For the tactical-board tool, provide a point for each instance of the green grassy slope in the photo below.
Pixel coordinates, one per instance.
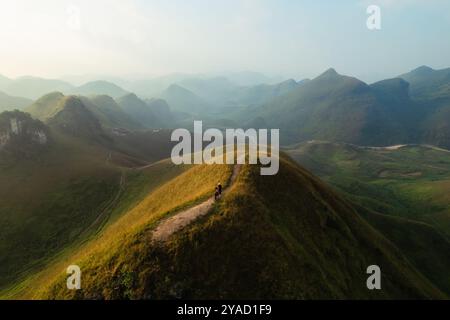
(75, 119)
(186, 188)
(46, 107)
(427, 249)
(104, 108)
(409, 186)
(59, 191)
(48, 200)
(286, 236)
(128, 187)
(100, 119)
(411, 182)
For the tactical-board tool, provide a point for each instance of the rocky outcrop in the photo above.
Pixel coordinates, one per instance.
(19, 132)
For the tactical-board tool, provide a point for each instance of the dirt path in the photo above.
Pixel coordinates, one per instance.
(177, 222)
(102, 217)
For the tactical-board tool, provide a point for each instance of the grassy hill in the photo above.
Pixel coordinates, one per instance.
(427, 249)
(60, 182)
(101, 120)
(139, 111)
(260, 241)
(409, 186)
(82, 184)
(411, 181)
(46, 106)
(75, 119)
(49, 199)
(105, 109)
(109, 113)
(330, 107)
(142, 204)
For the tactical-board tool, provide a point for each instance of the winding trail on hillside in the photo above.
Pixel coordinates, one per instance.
(106, 211)
(180, 220)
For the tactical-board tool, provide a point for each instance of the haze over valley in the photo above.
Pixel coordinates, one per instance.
(89, 186)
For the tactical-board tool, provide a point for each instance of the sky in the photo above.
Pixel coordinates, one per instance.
(292, 38)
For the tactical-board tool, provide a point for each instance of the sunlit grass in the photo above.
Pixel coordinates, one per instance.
(192, 186)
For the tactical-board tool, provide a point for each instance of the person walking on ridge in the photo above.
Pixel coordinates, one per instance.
(216, 194)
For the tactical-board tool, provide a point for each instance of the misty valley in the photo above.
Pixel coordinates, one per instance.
(225, 159)
(89, 179)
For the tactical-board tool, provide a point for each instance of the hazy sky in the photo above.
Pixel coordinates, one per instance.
(296, 38)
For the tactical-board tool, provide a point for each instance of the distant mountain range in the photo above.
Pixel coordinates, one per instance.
(99, 88)
(340, 108)
(128, 112)
(427, 83)
(33, 88)
(411, 108)
(184, 100)
(8, 102)
(85, 177)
